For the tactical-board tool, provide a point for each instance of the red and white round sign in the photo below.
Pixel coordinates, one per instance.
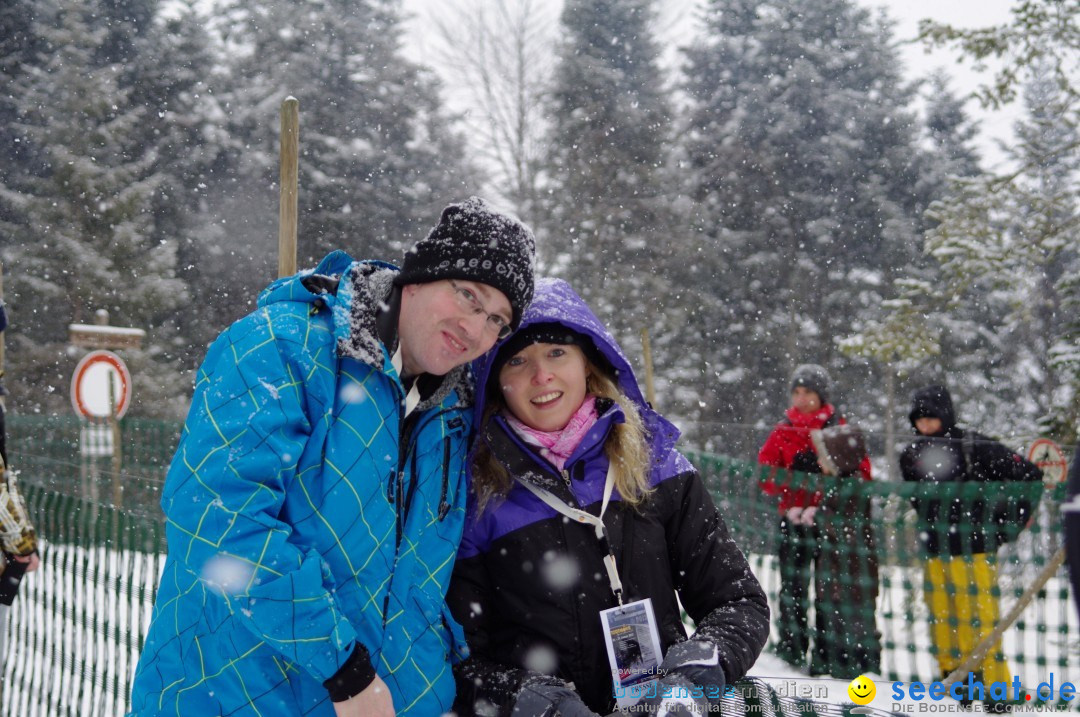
(90, 395)
(1048, 456)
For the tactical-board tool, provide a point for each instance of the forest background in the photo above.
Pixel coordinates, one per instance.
(779, 193)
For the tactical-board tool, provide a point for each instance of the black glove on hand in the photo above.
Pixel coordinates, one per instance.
(698, 662)
(539, 700)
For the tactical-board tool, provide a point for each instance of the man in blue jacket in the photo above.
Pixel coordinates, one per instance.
(316, 500)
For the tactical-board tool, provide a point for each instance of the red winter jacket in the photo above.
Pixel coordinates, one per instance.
(789, 438)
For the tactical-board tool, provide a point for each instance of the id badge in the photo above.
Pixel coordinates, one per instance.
(633, 648)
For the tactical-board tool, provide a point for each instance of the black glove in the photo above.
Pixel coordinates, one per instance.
(539, 700)
(698, 662)
(805, 462)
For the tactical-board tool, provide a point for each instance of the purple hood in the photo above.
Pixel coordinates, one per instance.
(555, 302)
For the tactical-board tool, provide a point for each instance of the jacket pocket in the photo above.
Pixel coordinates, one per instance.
(439, 634)
(459, 650)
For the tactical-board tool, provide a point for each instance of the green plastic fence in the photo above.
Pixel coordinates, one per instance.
(873, 537)
(78, 624)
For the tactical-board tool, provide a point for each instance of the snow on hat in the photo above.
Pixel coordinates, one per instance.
(813, 377)
(474, 242)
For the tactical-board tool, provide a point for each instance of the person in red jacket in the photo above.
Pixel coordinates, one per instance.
(845, 638)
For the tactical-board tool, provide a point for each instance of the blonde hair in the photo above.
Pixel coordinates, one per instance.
(627, 446)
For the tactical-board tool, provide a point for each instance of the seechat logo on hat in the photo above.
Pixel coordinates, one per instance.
(862, 690)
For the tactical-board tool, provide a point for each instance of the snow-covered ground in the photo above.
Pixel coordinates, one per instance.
(77, 622)
(1048, 643)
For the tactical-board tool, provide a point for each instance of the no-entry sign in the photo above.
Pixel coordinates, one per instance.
(1048, 456)
(95, 373)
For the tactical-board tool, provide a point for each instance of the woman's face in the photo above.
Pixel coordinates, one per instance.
(544, 384)
(805, 400)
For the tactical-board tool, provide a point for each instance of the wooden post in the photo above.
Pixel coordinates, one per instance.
(290, 162)
(117, 454)
(650, 394)
(890, 419)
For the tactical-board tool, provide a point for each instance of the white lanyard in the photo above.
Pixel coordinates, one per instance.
(581, 516)
(412, 398)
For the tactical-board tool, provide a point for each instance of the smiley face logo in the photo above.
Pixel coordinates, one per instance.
(862, 690)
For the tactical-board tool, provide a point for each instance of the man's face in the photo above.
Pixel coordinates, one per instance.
(928, 425)
(439, 332)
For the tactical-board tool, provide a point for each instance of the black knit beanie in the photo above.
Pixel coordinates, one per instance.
(547, 333)
(474, 242)
(813, 377)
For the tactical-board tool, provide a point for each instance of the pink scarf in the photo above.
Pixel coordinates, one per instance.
(556, 446)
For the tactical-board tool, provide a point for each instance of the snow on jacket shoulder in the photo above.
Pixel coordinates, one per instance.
(293, 537)
(529, 586)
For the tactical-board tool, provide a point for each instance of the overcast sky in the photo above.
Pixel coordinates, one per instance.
(676, 24)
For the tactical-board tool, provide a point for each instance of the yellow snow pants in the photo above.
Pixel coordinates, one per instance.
(962, 595)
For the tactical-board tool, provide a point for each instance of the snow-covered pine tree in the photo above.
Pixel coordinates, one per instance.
(378, 160)
(87, 241)
(1040, 33)
(1039, 41)
(905, 339)
(606, 227)
(1006, 244)
(800, 153)
(176, 77)
(18, 45)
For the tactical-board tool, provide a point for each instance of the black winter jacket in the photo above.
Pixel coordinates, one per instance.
(963, 524)
(528, 585)
(1071, 517)
(959, 522)
(515, 619)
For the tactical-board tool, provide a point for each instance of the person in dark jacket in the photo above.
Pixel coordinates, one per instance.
(561, 417)
(1071, 517)
(830, 533)
(961, 532)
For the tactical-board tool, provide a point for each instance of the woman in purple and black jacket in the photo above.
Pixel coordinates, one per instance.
(561, 417)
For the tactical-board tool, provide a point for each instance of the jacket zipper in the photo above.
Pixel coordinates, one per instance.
(444, 507)
(406, 446)
(392, 490)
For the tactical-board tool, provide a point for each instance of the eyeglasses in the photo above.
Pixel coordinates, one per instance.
(469, 302)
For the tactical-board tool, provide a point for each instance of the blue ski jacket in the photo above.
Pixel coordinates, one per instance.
(305, 515)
